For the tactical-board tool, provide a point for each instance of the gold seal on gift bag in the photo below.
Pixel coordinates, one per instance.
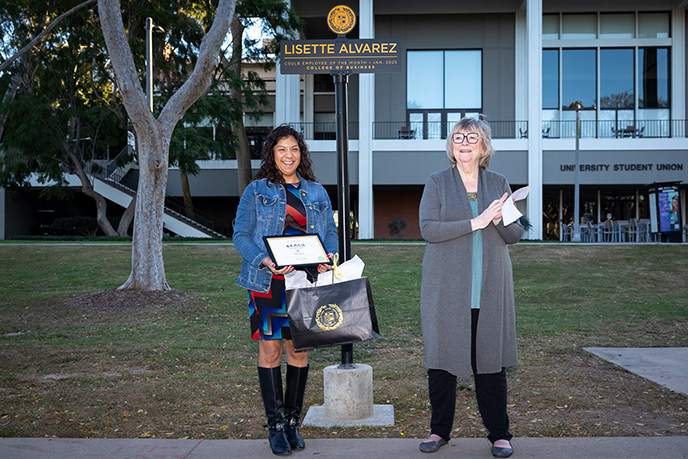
(329, 317)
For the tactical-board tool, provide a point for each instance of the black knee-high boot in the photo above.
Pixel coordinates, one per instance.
(293, 402)
(271, 390)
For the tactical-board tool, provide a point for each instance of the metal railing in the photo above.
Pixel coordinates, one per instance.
(404, 130)
(615, 129)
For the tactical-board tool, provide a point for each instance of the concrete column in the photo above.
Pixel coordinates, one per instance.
(308, 98)
(366, 117)
(534, 40)
(521, 57)
(287, 95)
(678, 64)
(287, 98)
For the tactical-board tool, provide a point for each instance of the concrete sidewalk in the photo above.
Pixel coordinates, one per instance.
(667, 366)
(403, 448)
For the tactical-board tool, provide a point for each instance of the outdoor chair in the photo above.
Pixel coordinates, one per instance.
(621, 230)
(405, 133)
(607, 231)
(587, 232)
(633, 230)
(566, 232)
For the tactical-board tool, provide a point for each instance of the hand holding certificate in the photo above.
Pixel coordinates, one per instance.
(297, 251)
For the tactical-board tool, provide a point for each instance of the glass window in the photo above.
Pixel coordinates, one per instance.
(463, 79)
(579, 26)
(653, 78)
(452, 119)
(550, 78)
(416, 124)
(617, 25)
(550, 124)
(444, 79)
(579, 71)
(424, 79)
(653, 25)
(616, 78)
(613, 123)
(434, 125)
(550, 27)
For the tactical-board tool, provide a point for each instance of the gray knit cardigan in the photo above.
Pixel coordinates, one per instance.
(445, 299)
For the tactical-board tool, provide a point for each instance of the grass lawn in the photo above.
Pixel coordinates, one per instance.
(78, 363)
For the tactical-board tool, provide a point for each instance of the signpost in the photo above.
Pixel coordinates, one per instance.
(340, 58)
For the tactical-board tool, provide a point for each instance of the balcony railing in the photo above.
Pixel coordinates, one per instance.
(433, 130)
(611, 129)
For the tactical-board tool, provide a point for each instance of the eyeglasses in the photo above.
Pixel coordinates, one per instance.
(471, 138)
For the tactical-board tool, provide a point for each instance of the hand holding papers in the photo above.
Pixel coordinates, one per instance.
(509, 211)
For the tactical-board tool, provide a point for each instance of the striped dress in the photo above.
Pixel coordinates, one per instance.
(268, 311)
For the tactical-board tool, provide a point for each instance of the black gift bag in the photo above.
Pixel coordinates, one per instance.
(331, 315)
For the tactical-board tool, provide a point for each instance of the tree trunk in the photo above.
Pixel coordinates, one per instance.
(245, 174)
(186, 191)
(127, 216)
(148, 269)
(243, 154)
(101, 203)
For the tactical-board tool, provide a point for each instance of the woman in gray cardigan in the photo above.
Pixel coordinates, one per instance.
(467, 276)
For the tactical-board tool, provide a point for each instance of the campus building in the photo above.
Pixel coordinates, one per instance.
(525, 65)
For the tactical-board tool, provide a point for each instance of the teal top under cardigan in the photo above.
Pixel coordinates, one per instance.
(477, 277)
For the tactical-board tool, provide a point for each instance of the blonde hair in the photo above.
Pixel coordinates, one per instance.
(480, 126)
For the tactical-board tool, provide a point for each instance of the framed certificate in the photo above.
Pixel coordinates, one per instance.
(297, 251)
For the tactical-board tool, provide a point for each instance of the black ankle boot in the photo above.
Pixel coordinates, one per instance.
(271, 390)
(293, 402)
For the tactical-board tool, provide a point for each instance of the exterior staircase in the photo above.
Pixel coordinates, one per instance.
(112, 182)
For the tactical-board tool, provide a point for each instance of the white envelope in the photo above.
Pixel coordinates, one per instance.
(509, 211)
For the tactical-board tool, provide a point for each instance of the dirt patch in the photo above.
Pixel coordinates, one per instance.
(126, 300)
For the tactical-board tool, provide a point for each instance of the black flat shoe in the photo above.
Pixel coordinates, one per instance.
(502, 452)
(432, 446)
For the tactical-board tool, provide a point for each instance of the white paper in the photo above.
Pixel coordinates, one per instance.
(509, 211)
(352, 269)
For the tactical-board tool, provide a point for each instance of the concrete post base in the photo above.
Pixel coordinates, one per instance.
(349, 400)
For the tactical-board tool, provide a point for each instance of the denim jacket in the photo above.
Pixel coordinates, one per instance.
(261, 212)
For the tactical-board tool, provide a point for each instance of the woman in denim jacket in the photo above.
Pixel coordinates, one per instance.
(283, 198)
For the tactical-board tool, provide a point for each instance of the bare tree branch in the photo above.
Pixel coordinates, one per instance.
(41, 35)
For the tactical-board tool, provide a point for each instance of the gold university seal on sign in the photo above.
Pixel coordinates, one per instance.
(341, 19)
(329, 317)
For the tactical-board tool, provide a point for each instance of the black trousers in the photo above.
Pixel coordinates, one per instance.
(490, 391)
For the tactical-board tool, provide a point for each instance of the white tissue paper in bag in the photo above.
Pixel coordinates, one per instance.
(352, 269)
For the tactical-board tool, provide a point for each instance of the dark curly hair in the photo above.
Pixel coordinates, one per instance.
(268, 168)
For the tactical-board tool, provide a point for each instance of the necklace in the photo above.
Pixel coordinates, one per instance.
(472, 196)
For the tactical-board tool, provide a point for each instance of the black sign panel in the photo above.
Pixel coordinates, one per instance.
(339, 56)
